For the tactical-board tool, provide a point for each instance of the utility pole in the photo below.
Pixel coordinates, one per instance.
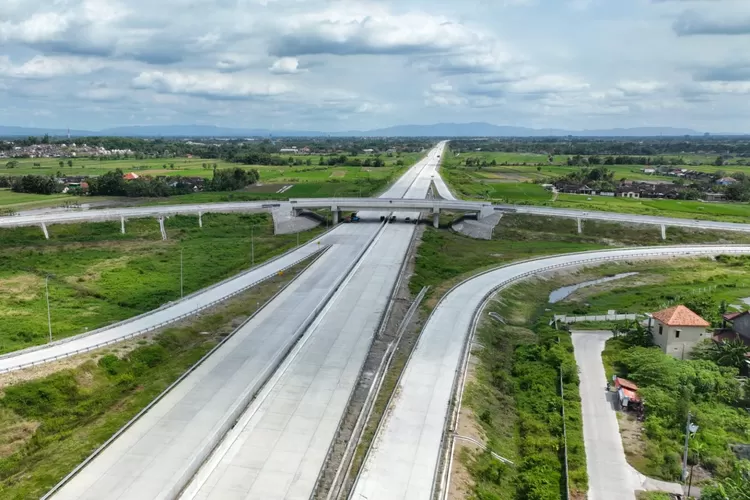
(182, 289)
(690, 428)
(252, 246)
(298, 240)
(49, 314)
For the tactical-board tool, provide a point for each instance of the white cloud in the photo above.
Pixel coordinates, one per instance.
(285, 66)
(45, 67)
(640, 87)
(209, 85)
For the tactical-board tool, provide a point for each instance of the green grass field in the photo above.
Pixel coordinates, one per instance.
(193, 167)
(100, 276)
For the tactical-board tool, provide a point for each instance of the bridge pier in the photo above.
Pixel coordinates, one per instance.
(663, 232)
(436, 220)
(200, 219)
(580, 226)
(44, 230)
(335, 216)
(122, 225)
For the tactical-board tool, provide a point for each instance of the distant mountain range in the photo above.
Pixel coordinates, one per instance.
(478, 129)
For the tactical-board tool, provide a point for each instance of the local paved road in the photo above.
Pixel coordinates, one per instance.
(610, 475)
(404, 458)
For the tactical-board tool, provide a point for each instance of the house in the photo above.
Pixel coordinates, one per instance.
(648, 170)
(292, 150)
(740, 322)
(710, 196)
(368, 151)
(726, 181)
(627, 192)
(677, 330)
(130, 176)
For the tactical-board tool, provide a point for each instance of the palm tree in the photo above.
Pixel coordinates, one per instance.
(729, 353)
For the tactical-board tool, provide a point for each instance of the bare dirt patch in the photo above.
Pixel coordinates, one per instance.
(14, 435)
(95, 271)
(23, 287)
(338, 173)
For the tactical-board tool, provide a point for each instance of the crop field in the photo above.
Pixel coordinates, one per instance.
(186, 167)
(99, 276)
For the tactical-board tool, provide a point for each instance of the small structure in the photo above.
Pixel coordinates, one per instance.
(740, 322)
(627, 394)
(677, 330)
(711, 196)
(130, 176)
(726, 181)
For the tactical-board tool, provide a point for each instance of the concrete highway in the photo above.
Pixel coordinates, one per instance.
(159, 454)
(279, 446)
(404, 458)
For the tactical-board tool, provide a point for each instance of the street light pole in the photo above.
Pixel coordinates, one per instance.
(49, 314)
(252, 246)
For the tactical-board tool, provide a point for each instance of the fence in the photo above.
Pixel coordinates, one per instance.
(600, 317)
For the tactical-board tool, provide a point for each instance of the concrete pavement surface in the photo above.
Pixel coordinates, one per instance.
(157, 455)
(404, 457)
(610, 475)
(280, 445)
(279, 450)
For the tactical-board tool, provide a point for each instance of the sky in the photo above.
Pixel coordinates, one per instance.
(337, 65)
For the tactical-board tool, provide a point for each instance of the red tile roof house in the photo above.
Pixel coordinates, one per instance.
(130, 176)
(678, 330)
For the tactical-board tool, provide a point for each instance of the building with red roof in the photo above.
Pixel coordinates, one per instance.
(677, 330)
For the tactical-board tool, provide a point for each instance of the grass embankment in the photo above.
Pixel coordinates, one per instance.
(99, 276)
(444, 257)
(515, 398)
(660, 285)
(48, 426)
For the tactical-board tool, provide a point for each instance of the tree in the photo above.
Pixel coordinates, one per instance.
(11, 164)
(61, 163)
(70, 163)
(719, 161)
(734, 487)
(728, 353)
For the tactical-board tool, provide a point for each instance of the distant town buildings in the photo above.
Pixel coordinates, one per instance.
(61, 151)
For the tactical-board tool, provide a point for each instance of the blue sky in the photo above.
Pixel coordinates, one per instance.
(350, 64)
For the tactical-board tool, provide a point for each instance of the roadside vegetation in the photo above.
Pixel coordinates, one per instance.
(514, 396)
(98, 276)
(51, 424)
(445, 257)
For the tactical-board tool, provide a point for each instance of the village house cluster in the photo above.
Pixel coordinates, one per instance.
(61, 151)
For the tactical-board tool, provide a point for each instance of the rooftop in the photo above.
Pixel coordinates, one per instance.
(680, 316)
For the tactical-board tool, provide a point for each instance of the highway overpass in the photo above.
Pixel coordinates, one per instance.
(384, 205)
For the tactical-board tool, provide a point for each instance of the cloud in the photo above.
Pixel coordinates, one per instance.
(357, 29)
(209, 85)
(691, 23)
(640, 87)
(45, 67)
(728, 73)
(285, 66)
